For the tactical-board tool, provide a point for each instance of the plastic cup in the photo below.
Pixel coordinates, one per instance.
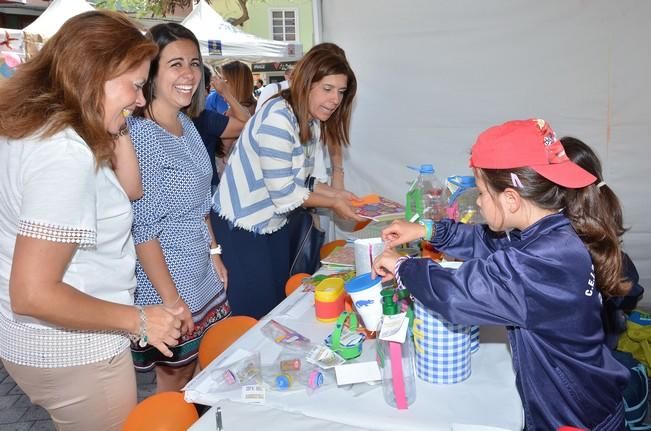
(367, 299)
(366, 250)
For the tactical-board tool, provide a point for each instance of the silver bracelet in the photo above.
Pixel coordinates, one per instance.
(141, 337)
(216, 250)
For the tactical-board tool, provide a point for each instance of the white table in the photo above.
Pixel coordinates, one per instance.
(488, 398)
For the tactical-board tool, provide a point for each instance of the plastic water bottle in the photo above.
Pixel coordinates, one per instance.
(462, 207)
(396, 361)
(426, 197)
(462, 203)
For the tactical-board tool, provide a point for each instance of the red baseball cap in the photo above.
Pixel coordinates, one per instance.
(528, 143)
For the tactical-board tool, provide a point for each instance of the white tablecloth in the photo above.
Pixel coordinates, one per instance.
(488, 398)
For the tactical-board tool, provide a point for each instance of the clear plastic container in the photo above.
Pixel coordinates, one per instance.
(467, 209)
(396, 361)
(462, 201)
(426, 196)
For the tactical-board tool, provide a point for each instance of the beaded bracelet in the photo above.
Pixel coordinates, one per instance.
(141, 338)
(124, 130)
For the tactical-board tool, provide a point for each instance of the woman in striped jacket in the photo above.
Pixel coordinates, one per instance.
(268, 176)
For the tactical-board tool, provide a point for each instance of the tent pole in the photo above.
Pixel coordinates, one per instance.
(317, 21)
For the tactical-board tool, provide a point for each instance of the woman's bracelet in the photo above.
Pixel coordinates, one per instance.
(141, 337)
(178, 298)
(124, 130)
(338, 169)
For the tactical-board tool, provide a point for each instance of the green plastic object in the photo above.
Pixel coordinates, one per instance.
(389, 306)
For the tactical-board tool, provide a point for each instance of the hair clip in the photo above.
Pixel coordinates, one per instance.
(516, 181)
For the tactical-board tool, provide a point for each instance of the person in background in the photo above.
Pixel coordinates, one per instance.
(611, 217)
(213, 127)
(269, 175)
(67, 258)
(258, 87)
(240, 81)
(273, 88)
(543, 279)
(178, 257)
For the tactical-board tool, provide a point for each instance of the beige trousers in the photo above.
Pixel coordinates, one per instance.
(95, 397)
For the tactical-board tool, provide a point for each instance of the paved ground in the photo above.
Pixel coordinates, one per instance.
(18, 414)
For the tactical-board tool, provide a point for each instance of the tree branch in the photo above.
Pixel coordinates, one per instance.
(243, 18)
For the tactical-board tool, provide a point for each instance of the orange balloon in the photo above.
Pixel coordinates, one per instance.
(165, 411)
(221, 335)
(295, 282)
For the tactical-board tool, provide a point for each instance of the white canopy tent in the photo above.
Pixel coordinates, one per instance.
(58, 12)
(432, 74)
(219, 39)
(19, 44)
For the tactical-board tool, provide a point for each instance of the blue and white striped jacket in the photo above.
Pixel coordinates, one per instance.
(265, 176)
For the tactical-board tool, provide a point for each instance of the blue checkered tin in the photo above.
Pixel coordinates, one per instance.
(474, 339)
(442, 348)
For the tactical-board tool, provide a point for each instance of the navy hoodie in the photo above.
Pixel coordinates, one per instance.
(540, 284)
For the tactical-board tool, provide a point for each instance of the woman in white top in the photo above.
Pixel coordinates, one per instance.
(67, 257)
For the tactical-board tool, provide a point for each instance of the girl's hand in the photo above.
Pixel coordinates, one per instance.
(385, 263)
(221, 270)
(163, 327)
(401, 232)
(343, 209)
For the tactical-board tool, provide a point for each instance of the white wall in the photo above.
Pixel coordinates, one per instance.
(432, 74)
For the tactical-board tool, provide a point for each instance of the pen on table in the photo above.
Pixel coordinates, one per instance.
(218, 417)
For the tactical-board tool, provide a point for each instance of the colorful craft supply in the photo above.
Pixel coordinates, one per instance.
(329, 299)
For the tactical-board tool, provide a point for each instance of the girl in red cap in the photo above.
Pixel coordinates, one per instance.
(529, 269)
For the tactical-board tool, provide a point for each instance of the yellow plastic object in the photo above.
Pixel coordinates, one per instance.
(329, 299)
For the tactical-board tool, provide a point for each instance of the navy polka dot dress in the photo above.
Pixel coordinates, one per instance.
(176, 174)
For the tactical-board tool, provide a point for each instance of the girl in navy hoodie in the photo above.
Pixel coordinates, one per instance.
(540, 267)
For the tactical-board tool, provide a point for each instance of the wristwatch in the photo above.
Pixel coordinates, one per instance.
(429, 228)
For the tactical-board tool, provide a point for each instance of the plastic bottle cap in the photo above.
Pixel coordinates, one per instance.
(389, 306)
(315, 380)
(283, 381)
(361, 282)
(426, 169)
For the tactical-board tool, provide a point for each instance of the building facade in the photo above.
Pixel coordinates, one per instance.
(285, 20)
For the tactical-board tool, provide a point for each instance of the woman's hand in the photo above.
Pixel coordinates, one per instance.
(163, 327)
(345, 195)
(385, 263)
(401, 232)
(187, 325)
(220, 85)
(220, 268)
(343, 209)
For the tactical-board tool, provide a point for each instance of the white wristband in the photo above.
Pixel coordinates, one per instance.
(216, 250)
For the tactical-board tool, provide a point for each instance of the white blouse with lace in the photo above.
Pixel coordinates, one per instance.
(51, 190)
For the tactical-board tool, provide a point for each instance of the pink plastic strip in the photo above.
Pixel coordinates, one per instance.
(397, 376)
